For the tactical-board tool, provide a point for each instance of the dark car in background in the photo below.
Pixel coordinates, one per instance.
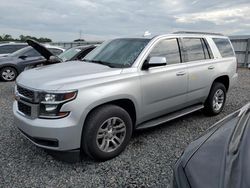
(8, 48)
(25, 58)
(76, 53)
(220, 158)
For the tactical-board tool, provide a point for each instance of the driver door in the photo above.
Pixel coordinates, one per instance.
(164, 88)
(32, 59)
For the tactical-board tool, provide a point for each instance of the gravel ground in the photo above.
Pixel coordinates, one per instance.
(147, 161)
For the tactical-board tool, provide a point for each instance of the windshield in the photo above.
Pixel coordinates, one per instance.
(118, 52)
(68, 54)
(20, 52)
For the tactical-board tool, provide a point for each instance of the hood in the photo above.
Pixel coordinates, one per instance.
(40, 48)
(54, 77)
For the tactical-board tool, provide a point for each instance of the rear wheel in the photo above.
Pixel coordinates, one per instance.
(216, 99)
(8, 74)
(107, 132)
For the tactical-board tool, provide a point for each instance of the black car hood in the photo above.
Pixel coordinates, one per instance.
(40, 48)
(220, 158)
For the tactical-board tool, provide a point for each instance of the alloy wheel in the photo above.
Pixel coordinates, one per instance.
(111, 134)
(8, 74)
(218, 99)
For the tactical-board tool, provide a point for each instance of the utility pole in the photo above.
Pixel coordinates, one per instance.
(80, 34)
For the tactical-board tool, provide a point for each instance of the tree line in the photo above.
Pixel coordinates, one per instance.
(22, 38)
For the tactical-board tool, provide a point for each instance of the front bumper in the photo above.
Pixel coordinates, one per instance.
(56, 134)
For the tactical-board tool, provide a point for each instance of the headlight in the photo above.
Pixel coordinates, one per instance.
(51, 103)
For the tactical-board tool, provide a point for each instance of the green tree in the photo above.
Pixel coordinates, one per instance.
(7, 37)
(23, 38)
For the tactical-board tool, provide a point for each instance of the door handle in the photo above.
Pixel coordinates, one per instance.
(182, 73)
(211, 67)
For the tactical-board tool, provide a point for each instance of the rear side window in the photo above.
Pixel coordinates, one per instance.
(168, 48)
(6, 49)
(224, 47)
(196, 49)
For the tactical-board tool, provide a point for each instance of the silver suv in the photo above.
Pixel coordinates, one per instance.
(123, 85)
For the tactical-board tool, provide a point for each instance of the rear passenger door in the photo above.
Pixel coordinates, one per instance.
(164, 88)
(200, 66)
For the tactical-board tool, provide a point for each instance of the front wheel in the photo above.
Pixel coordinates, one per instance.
(107, 132)
(8, 74)
(216, 99)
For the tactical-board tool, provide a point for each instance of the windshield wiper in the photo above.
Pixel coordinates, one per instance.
(100, 62)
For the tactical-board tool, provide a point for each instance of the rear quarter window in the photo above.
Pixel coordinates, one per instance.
(224, 47)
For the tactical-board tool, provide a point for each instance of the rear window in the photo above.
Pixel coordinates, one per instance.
(224, 47)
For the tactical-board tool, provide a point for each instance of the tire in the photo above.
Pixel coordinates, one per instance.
(216, 99)
(8, 74)
(111, 141)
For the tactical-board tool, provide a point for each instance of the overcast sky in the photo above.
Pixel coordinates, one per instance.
(61, 20)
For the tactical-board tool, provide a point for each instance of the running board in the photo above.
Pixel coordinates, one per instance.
(169, 117)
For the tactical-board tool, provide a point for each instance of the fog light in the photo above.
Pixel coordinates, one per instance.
(50, 107)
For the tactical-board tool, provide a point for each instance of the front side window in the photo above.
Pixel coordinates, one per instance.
(195, 49)
(32, 53)
(169, 49)
(118, 52)
(224, 47)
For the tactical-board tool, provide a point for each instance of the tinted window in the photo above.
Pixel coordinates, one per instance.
(85, 52)
(6, 49)
(32, 53)
(55, 51)
(224, 47)
(194, 48)
(167, 48)
(117, 52)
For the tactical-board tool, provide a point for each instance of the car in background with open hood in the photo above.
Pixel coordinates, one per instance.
(31, 56)
(76, 53)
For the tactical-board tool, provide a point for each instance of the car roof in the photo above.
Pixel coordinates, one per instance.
(85, 46)
(181, 34)
(56, 47)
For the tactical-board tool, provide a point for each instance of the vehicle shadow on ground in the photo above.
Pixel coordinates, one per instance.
(136, 140)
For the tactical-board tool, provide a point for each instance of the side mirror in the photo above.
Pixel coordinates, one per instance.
(23, 57)
(155, 62)
(54, 59)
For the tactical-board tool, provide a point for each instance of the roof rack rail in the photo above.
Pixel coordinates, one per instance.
(197, 32)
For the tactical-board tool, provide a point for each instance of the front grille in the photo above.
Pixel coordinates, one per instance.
(24, 108)
(26, 92)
